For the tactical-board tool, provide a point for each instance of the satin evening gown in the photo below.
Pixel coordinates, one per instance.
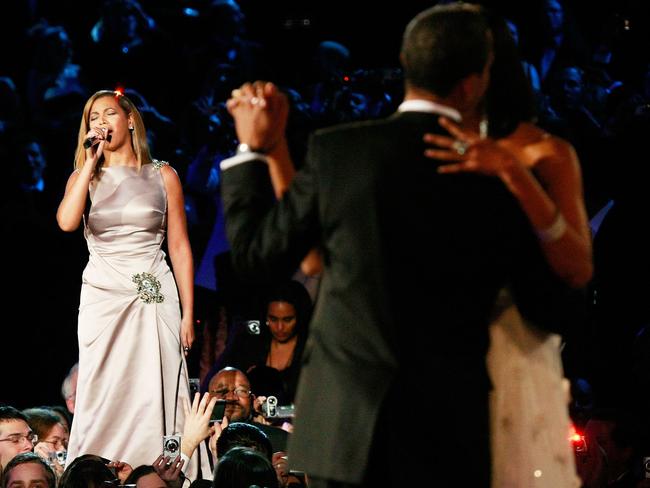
(133, 377)
(530, 424)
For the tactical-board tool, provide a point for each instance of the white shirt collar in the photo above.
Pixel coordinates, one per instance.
(429, 107)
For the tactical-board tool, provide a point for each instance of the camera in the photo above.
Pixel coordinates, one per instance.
(271, 409)
(646, 467)
(195, 385)
(218, 411)
(171, 446)
(253, 327)
(61, 457)
(57, 457)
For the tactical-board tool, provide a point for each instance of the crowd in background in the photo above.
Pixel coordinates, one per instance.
(179, 61)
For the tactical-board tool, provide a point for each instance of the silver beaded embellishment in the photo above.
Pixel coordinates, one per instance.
(158, 163)
(148, 288)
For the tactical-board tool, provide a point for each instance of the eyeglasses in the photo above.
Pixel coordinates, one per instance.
(240, 391)
(17, 438)
(56, 442)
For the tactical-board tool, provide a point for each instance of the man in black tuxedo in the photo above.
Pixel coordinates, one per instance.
(413, 262)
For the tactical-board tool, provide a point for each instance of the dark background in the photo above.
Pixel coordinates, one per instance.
(42, 266)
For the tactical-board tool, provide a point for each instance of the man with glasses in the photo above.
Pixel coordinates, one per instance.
(15, 435)
(232, 385)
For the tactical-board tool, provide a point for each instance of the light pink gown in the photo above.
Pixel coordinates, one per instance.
(530, 424)
(132, 374)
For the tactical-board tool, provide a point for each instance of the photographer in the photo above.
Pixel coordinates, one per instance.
(225, 435)
(52, 435)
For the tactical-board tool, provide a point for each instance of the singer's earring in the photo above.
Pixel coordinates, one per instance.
(131, 128)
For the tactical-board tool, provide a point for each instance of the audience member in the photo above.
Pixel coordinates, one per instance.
(241, 467)
(145, 476)
(52, 437)
(28, 470)
(16, 436)
(271, 354)
(69, 387)
(232, 385)
(89, 471)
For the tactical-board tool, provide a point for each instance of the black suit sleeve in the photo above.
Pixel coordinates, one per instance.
(269, 238)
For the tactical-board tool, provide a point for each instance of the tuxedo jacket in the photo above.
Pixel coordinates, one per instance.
(413, 263)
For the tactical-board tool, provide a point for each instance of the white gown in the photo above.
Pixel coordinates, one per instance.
(530, 424)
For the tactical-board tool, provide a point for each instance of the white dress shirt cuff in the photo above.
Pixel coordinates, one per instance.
(246, 157)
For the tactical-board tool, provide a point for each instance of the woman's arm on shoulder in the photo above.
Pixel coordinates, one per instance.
(180, 251)
(557, 167)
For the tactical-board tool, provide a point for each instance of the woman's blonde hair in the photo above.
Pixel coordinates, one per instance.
(138, 135)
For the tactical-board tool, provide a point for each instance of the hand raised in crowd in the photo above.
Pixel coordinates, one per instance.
(468, 152)
(260, 111)
(122, 470)
(258, 415)
(47, 452)
(197, 423)
(169, 471)
(281, 465)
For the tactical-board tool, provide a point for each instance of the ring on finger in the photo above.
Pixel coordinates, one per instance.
(460, 147)
(255, 100)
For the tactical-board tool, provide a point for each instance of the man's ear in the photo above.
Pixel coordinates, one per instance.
(402, 59)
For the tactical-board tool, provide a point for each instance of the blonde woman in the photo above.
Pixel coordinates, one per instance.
(133, 332)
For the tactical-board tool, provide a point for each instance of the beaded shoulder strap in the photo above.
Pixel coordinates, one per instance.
(158, 163)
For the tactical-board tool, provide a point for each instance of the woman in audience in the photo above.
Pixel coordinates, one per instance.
(271, 354)
(52, 437)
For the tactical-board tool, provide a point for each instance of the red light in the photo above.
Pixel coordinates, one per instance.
(119, 91)
(574, 435)
(346, 78)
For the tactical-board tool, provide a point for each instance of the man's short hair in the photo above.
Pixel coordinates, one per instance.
(444, 44)
(28, 457)
(8, 412)
(240, 434)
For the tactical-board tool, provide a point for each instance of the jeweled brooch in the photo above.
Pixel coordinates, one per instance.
(148, 288)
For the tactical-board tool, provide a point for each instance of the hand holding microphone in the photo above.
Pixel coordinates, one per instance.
(95, 137)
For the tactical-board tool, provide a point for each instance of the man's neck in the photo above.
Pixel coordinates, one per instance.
(414, 93)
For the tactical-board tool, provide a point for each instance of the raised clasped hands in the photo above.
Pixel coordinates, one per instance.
(260, 111)
(466, 151)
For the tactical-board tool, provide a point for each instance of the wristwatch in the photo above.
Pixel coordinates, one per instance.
(245, 148)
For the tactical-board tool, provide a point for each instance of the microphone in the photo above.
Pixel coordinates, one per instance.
(90, 141)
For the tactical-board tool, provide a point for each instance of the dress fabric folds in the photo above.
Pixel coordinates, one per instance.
(133, 377)
(529, 417)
